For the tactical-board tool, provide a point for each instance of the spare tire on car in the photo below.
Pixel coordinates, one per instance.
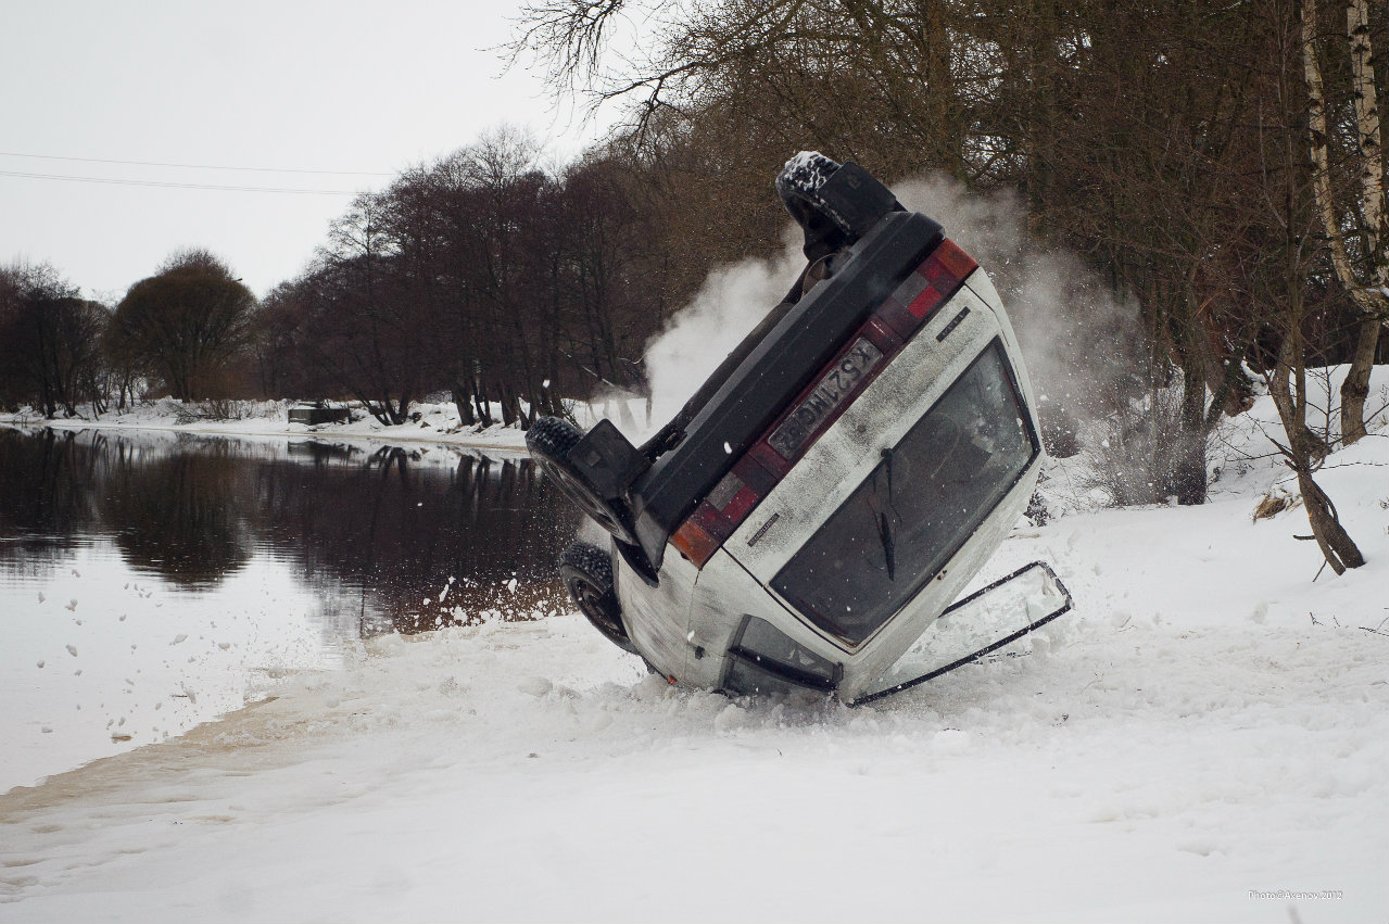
(551, 441)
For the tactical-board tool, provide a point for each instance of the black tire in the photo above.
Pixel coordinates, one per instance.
(550, 440)
(799, 184)
(588, 576)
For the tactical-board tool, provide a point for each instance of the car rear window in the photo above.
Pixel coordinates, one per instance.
(918, 507)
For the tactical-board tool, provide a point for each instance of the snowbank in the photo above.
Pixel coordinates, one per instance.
(1134, 768)
(437, 423)
(1204, 739)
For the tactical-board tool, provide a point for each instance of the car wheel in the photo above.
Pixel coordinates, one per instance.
(588, 576)
(799, 184)
(550, 441)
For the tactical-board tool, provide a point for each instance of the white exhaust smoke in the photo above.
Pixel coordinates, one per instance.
(1077, 338)
(728, 305)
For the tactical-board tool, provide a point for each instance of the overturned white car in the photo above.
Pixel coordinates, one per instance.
(830, 491)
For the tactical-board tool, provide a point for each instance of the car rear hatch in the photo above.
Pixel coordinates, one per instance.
(888, 469)
(916, 508)
(854, 319)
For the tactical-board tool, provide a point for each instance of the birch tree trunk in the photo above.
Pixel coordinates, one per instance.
(1368, 285)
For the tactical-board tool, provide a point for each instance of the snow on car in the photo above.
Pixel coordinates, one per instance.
(829, 492)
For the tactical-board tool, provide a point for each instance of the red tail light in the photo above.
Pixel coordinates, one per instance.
(829, 394)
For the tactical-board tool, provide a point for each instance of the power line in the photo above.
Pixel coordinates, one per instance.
(151, 163)
(170, 185)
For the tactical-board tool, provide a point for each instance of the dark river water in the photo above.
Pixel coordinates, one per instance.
(150, 581)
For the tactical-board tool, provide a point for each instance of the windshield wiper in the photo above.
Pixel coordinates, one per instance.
(885, 525)
(889, 546)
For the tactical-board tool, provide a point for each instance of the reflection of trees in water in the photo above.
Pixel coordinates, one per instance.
(182, 516)
(316, 452)
(376, 530)
(399, 531)
(48, 480)
(172, 507)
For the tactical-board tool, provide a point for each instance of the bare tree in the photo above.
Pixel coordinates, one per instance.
(1353, 214)
(1291, 202)
(50, 340)
(187, 322)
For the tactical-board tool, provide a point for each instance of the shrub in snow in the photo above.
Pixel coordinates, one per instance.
(1136, 452)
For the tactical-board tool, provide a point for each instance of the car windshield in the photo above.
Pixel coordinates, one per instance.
(919, 506)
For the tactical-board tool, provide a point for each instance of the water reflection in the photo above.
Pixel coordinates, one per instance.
(183, 516)
(387, 526)
(402, 532)
(45, 499)
(148, 581)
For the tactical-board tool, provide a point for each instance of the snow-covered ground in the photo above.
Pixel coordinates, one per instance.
(1204, 739)
(438, 422)
(432, 423)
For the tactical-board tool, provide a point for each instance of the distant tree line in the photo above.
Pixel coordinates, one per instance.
(50, 341)
(185, 328)
(480, 275)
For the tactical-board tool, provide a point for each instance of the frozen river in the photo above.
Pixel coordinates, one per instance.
(149, 582)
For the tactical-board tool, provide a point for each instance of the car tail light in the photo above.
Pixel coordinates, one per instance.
(829, 394)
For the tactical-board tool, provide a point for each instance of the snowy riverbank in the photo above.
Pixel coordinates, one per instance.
(437, 422)
(1203, 739)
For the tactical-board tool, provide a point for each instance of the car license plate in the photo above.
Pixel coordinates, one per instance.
(832, 391)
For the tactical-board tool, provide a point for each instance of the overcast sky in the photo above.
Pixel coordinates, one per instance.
(348, 85)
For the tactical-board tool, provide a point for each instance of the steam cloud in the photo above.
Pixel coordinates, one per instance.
(1078, 339)
(728, 305)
